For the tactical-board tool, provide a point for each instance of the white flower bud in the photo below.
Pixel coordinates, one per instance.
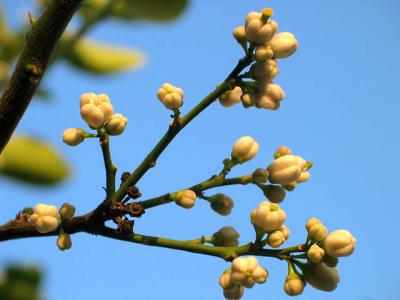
(316, 230)
(294, 284)
(322, 277)
(283, 44)
(234, 294)
(258, 31)
(276, 238)
(231, 97)
(67, 211)
(95, 109)
(116, 125)
(239, 34)
(64, 242)
(184, 198)
(265, 71)
(287, 169)
(264, 53)
(269, 95)
(244, 149)
(45, 218)
(267, 217)
(170, 96)
(315, 253)
(73, 136)
(339, 243)
(247, 272)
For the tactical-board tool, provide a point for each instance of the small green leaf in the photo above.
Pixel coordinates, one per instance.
(104, 59)
(33, 161)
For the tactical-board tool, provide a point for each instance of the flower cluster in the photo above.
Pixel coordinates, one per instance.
(97, 112)
(170, 96)
(260, 32)
(245, 272)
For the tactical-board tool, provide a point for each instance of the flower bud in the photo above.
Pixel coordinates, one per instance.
(64, 242)
(269, 95)
(73, 136)
(225, 280)
(294, 284)
(184, 198)
(235, 293)
(260, 175)
(267, 217)
(287, 169)
(95, 109)
(244, 149)
(264, 53)
(221, 204)
(281, 151)
(67, 211)
(339, 243)
(170, 96)
(247, 272)
(258, 30)
(275, 239)
(116, 125)
(231, 97)
(239, 34)
(283, 44)
(315, 253)
(322, 277)
(316, 230)
(226, 237)
(45, 218)
(274, 193)
(248, 100)
(264, 71)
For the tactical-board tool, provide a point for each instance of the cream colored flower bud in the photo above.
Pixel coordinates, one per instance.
(239, 34)
(64, 242)
(45, 218)
(258, 31)
(316, 230)
(248, 100)
(247, 272)
(234, 294)
(184, 198)
(267, 217)
(73, 136)
(95, 109)
(225, 280)
(339, 243)
(283, 44)
(170, 96)
(231, 97)
(282, 151)
(276, 238)
(265, 71)
(294, 284)
(116, 125)
(315, 253)
(264, 53)
(67, 211)
(269, 95)
(322, 277)
(287, 169)
(244, 149)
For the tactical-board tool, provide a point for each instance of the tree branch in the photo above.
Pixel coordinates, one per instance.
(39, 45)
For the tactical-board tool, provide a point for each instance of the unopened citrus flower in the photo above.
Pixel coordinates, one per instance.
(294, 284)
(316, 230)
(315, 253)
(45, 218)
(73, 136)
(170, 96)
(95, 109)
(184, 198)
(268, 217)
(230, 97)
(259, 29)
(277, 237)
(339, 243)
(283, 44)
(244, 149)
(64, 242)
(288, 169)
(116, 125)
(67, 211)
(246, 271)
(269, 95)
(322, 277)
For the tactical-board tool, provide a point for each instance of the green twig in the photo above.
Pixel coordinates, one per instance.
(111, 169)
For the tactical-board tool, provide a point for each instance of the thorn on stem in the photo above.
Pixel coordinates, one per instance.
(32, 19)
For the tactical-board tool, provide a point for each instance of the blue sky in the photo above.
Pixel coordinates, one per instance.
(341, 112)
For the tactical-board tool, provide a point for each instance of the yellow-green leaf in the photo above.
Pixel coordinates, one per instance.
(33, 161)
(104, 59)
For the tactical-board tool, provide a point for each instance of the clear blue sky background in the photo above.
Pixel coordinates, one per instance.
(341, 112)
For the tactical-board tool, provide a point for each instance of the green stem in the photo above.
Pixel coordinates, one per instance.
(111, 169)
(198, 188)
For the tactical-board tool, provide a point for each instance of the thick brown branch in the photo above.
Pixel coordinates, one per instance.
(39, 45)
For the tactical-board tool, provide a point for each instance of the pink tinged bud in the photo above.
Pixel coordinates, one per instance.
(339, 243)
(283, 44)
(244, 149)
(73, 136)
(116, 125)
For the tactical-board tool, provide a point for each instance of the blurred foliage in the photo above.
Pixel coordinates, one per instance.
(103, 59)
(30, 160)
(33, 161)
(20, 283)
